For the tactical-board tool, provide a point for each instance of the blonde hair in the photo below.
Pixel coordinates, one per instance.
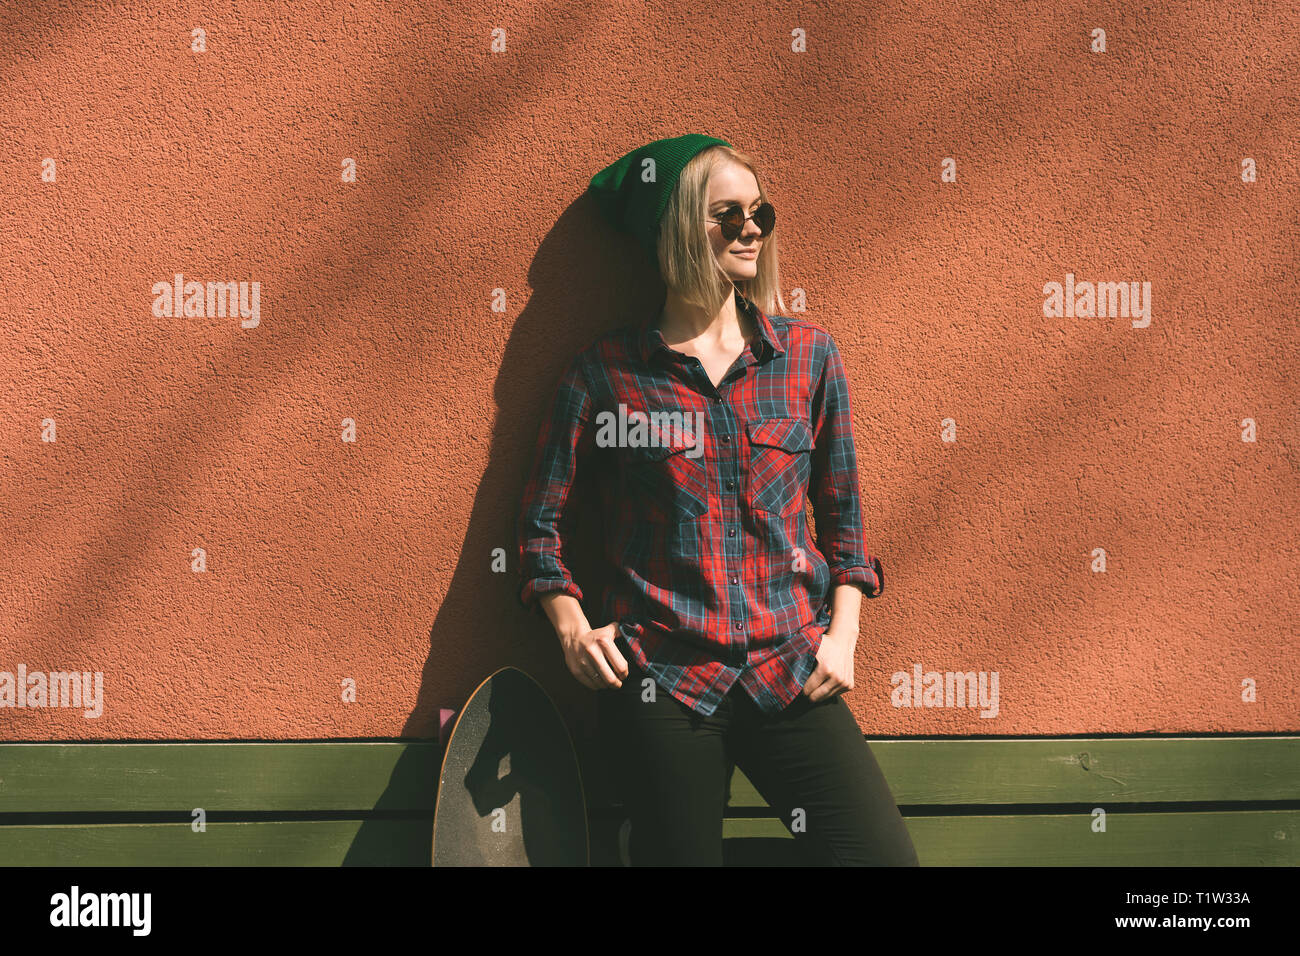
(686, 260)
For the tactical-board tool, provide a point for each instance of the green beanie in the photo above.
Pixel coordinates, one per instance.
(635, 206)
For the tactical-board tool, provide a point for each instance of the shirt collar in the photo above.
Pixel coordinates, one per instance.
(652, 340)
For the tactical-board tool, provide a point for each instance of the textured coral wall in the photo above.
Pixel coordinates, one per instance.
(235, 518)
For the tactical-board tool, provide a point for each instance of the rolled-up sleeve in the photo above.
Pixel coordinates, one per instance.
(545, 520)
(833, 486)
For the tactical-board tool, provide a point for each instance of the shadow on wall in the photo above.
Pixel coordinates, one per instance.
(585, 280)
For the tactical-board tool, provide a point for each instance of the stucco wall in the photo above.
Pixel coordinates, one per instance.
(132, 439)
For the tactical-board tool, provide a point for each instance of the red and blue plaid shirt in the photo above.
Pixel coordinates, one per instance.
(704, 495)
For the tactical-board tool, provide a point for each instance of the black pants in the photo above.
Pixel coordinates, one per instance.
(809, 762)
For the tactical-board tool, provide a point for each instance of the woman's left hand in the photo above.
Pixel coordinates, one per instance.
(834, 673)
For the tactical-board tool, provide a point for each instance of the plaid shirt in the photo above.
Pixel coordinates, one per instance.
(705, 510)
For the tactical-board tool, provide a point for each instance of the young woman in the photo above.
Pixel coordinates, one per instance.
(728, 634)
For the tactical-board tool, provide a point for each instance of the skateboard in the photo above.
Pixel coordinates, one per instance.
(510, 789)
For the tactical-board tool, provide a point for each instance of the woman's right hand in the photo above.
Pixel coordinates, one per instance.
(594, 660)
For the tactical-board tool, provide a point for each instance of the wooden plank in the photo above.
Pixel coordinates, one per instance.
(271, 843)
(1246, 838)
(354, 776)
(1240, 838)
(1083, 770)
(218, 776)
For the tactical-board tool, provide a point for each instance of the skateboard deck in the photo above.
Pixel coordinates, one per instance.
(510, 790)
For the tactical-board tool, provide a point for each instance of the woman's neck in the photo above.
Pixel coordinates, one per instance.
(683, 322)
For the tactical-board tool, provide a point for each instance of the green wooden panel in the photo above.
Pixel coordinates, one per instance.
(218, 776)
(274, 843)
(359, 777)
(1247, 838)
(1084, 770)
(1229, 838)
(402, 775)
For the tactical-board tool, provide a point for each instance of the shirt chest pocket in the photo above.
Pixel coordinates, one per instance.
(780, 462)
(670, 480)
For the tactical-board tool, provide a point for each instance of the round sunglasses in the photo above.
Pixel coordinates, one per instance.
(733, 219)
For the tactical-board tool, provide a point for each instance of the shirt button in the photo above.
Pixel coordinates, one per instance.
(735, 579)
(731, 533)
(731, 485)
(726, 438)
(739, 626)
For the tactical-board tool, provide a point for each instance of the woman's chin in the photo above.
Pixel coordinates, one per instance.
(738, 269)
